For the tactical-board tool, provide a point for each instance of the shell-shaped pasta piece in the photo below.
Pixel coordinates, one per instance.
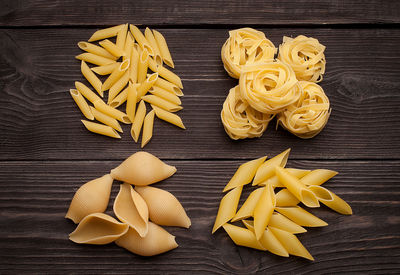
(263, 210)
(227, 207)
(92, 197)
(157, 241)
(331, 200)
(242, 236)
(164, 208)
(142, 169)
(98, 228)
(301, 216)
(247, 209)
(131, 209)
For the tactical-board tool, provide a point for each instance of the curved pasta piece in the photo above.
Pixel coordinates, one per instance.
(98, 228)
(269, 87)
(318, 176)
(240, 120)
(331, 200)
(305, 55)
(242, 236)
(279, 221)
(308, 116)
(157, 241)
(131, 208)
(298, 173)
(285, 198)
(263, 210)
(267, 169)
(92, 197)
(291, 243)
(244, 47)
(301, 216)
(142, 169)
(227, 207)
(164, 208)
(244, 174)
(297, 188)
(247, 209)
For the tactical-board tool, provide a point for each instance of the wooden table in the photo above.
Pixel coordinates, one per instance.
(46, 154)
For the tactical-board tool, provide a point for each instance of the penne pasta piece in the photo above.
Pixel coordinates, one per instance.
(131, 101)
(247, 209)
(107, 120)
(147, 129)
(125, 65)
(301, 216)
(94, 49)
(142, 66)
(98, 228)
(263, 210)
(140, 39)
(131, 208)
(95, 59)
(163, 47)
(82, 104)
(331, 200)
(112, 48)
(146, 85)
(121, 37)
(244, 174)
(120, 98)
(138, 121)
(298, 173)
(318, 177)
(106, 69)
(100, 129)
(297, 188)
(160, 92)
(86, 92)
(114, 77)
(168, 117)
(164, 208)
(152, 41)
(118, 86)
(279, 221)
(227, 207)
(134, 65)
(142, 169)
(291, 243)
(267, 169)
(161, 103)
(112, 112)
(105, 33)
(157, 241)
(168, 86)
(285, 198)
(242, 236)
(165, 73)
(91, 77)
(128, 45)
(92, 197)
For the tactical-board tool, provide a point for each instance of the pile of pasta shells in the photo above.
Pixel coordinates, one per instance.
(129, 81)
(285, 86)
(141, 210)
(271, 218)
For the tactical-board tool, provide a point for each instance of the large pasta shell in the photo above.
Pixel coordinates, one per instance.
(142, 169)
(157, 241)
(92, 197)
(164, 208)
(130, 208)
(98, 228)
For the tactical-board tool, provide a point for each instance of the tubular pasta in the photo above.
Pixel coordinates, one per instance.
(118, 86)
(147, 128)
(112, 112)
(121, 37)
(285, 198)
(227, 207)
(82, 104)
(168, 117)
(138, 121)
(146, 85)
(162, 103)
(131, 101)
(140, 39)
(263, 210)
(91, 77)
(331, 200)
(247, 209)
(120, 98)
(143, 65)
(160, 92)
(106, 69)
(116, 74)
(163, 48)
(301, 216)
(95, 59)
(86, 92)
(279, 221)
(242, 236)
(112, 48)
(100, 129)
(318, 177)
(152, 41)
(133, 75)
(128, 46)
(105, 33)
(94, 49)
(107, 120)
(168, 86)
(165, 73)
(298, 173)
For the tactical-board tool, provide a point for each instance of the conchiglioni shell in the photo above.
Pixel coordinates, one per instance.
(142, 169)
(92, 197)
(130, 208)
(157, 241)
(98, 228)
(164, 208)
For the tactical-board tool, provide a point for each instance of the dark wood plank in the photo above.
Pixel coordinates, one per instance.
(38, 119)
(206, 12)
(34, 197)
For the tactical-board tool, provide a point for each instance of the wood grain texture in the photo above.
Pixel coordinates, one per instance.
(34, 198)
(205, 12)
(38, 119)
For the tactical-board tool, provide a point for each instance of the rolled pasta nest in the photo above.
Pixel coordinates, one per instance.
(244, 47)
(305, 55)
(240, 120)
(309, 115)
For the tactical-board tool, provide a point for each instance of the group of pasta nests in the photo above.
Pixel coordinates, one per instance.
(285, 87)
(271, 218)
(129, 81)
(140, 210)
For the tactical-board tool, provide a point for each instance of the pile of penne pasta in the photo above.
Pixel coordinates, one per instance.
(140, 210)
(271, 218)
(129, 81)
(285, 87)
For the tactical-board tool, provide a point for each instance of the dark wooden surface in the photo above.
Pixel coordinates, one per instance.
(45, 153)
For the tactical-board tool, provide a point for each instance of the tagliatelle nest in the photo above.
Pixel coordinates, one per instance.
(244, 47)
